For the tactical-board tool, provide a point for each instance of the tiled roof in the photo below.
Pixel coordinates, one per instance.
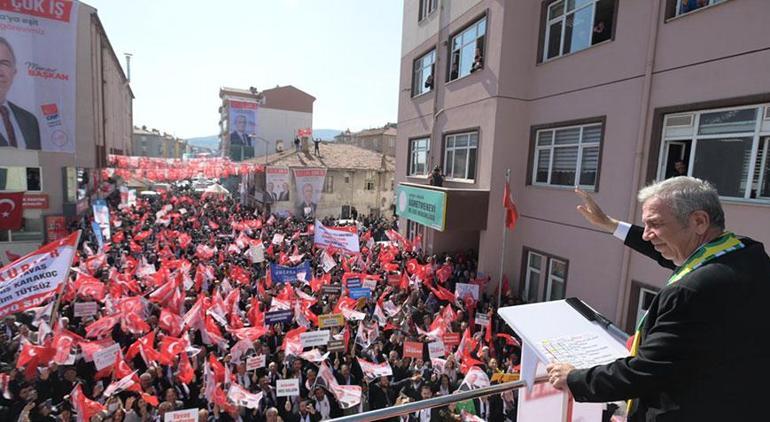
(333, 156)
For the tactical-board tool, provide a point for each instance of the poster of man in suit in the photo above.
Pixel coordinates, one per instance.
(242, 122)
(278, 183)
(309, 183)
(37, 76)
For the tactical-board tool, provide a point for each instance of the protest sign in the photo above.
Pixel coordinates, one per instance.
(436, 349)
(360, 292)
(278, 316)
(314, 338)
(353, 283)
(83, 309)
(255, 362)
(339, 239)
(186, 415)
(464, 289)
(331, 290)
(331, 320)
(481, 319)
(335, 346)
(451, 339)
(412, 349)
(282, 274)
(370, 284)
(287, 388)
(106, 357)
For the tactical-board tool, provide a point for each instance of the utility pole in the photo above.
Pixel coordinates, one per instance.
(128, 66)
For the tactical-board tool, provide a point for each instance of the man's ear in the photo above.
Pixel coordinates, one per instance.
(701, 221)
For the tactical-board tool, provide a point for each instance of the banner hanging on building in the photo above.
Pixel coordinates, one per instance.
(278, 183)
(38, 42)
(34, 278)
(102, 217)
(11, 210)
(310, 184)
(242, 121)
(340, 239)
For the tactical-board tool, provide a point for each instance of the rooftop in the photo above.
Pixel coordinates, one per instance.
(333, 156)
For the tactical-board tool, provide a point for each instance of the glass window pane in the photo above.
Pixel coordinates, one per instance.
(33, 178)
(558, 268)
(557, 290)
(588, 166)
(482, 27)
(543, 158)
(466, 59)
(567, 136)
(460, 162)
(461, 141)
(764, 190)
(579, 30)
(534, 286)
(724, 162)
(731, 121)
(534, 260)
(450, 142)
(603, 21)
(448, 163)
(554, 40)
(555, 10)
(473, 139)
(592, 134)
(564, 163)
(545, 138)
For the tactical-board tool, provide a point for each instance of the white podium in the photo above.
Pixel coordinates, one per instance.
(555, 331)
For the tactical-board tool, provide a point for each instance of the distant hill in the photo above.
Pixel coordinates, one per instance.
(326, 134)
(210, 142)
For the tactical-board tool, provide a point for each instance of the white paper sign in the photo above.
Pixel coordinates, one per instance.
(187, 415)
(287, 388)
(463, 289)
(371, 284)
(106, 357)
(482, 319)
(436, 349)
(83, 309)
(314, 338)
(277, 239)
(255, 362)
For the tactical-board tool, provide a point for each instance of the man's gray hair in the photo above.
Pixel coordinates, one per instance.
(685, 195)
(7, 45)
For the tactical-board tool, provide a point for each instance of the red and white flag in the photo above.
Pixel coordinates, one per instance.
(11, 210)
(375, 370)
(36, 277)
(83, 406)
(314, 355)
(242, 397)
(475, 378)
(347, 395)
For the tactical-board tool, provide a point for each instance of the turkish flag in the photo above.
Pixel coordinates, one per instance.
(11, 210)
(511, 213)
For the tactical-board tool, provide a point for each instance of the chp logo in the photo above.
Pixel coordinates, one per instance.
(53, 119)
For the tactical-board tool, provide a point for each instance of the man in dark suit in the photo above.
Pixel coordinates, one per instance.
(239, 135)
(426, 415)
(18, 127)
(700, 354)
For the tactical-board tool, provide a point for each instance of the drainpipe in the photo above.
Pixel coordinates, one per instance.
(641, 144)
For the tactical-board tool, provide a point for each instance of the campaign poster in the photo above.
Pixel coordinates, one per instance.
(278, 184)
(242, 121)
(102, 217)
(37, 74)
(310, 184)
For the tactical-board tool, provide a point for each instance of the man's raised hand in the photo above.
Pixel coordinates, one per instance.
(593, 213)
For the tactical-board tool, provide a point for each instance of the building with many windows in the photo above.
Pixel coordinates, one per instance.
(147, 142)
(605, 95)
(382, 139)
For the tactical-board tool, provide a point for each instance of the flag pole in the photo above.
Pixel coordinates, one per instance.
(502, 249)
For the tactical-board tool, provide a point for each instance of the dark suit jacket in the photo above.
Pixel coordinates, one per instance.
(236, 139)
(434, 416)
(703, 355)
(28, 126)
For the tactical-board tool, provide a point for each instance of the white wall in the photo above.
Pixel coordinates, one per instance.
(275, 124)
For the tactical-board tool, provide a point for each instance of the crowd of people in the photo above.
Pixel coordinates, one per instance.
(184, 293)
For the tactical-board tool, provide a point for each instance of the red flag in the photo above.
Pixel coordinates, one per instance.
(238, 274)
(169, 348)
(186, 372)
(102, 326)
(12, 257)
(84, 407)
(170, 322)
(63, 340)
(404, 284)
(511, 213)
(11, 210)
(509, 339)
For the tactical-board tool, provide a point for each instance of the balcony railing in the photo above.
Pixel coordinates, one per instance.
(440, 401)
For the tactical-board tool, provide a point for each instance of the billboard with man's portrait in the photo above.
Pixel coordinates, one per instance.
(37, 74)
(242, 120)
(309, 183)
(278, 184)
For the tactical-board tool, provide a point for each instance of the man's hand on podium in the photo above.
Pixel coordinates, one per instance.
(557, 374)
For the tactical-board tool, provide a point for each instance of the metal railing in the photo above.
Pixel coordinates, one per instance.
(440, 401)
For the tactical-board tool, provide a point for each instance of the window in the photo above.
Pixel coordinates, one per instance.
(21, 179)
(727, 147)
(681, 7)
(565, 153)
(369, 184)
(467, 50)
(413, 230)
(532, 280)
(329, 184)
(418, 156)
(426, 8)
(574, 25)
(347, 178)
(545, 277)
(460, 155)
(422, 74)
(557, 276)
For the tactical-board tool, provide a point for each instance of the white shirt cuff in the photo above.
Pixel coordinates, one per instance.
(622, 231)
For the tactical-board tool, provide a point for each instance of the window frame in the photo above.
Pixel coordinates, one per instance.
(26, 185)
(328, 184)
(545, 27)
(450, 53)
(673, 8)
(411, 156)
(422, 68)
(544, 275)
(534, 149)
(425, 8)
(758, 136)
(445, 151)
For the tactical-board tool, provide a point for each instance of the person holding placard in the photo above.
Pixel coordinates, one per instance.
(699, 353)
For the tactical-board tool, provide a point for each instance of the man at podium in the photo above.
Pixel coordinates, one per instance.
(701, 352)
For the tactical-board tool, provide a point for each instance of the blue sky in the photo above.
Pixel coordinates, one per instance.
(343, 52)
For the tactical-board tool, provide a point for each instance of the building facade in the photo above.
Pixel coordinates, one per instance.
(62, 185)
(355, 178)
(606, 95)
(281, 113)
(153, 143)
(381, 139)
